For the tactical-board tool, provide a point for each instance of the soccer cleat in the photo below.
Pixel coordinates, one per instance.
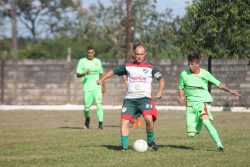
(87, 121)
(100, 126)
(153, 145)
(220, 149)
(124, 149)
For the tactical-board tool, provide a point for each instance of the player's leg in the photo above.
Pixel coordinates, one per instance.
(149, 128)
(191, 121)
(99, 108)
(138, 121)
(87, 101)
(124, 134)
(211, 129)
(127, 116)
(150, 115)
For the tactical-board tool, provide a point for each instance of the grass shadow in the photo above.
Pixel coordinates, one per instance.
(105, 126)
(181, 147)
(67, 127)
(112, 147)
(112, 126)
(177, 147)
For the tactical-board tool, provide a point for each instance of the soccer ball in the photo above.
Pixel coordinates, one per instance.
(140, 145)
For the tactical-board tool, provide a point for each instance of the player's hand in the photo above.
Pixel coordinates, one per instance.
(99, 82)
(181, 99)
(87, 71)
(158, 95)
(234, 93)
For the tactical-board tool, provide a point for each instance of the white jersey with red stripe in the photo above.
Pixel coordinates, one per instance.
(140, 78)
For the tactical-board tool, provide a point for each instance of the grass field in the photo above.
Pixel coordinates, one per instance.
(56, 138)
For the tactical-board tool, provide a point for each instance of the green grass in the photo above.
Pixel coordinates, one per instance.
(56, 138)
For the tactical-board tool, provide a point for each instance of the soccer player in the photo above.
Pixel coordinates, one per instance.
(193, 86)
(89, 69)
(137, 119)
(138, 95)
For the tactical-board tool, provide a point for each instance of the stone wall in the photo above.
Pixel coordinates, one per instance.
(54, 82)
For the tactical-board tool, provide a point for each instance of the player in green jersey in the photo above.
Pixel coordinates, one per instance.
(90, 69)
(138, 95)
(193, 86)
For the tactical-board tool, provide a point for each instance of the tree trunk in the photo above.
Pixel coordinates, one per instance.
(128, 29)
(14, 26)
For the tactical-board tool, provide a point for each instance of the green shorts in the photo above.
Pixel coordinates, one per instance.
(140, 106)
(194, 111)
(92, 96)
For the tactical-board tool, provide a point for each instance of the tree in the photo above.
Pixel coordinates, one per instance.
(217, 28)
(155, 29)
(39, 17)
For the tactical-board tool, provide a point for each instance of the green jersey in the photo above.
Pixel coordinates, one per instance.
(196, 85)
(89, 80)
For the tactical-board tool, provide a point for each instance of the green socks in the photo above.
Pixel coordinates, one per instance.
(99, 111)
(150, 136)
(124, 141)
(86, 113)
(212, 131)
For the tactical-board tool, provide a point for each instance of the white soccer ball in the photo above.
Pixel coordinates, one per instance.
(140, 145)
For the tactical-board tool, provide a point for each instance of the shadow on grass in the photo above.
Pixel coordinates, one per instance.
(112, 147)
(181, 147)
(112, 126)
(67, 127)
(177, 147)
(105, 126)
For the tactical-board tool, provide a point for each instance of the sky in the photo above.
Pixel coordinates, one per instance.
(178, 6)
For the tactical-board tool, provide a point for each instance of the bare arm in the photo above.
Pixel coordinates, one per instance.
(181, 93)
(225, 88)
(107, 75)
(161, 88)
(125, 79)
(103, 84)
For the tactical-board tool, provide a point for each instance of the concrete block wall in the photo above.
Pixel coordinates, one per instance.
(51, 82)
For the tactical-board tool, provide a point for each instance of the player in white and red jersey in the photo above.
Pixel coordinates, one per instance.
(138, 96)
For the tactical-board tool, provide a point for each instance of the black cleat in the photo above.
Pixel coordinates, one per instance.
(100, 126)
(221, 149)
(86, 125)
(153, 145)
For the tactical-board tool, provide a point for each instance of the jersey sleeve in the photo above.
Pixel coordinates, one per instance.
(212, 79)
(156, 72)
(79, 69)
(101, 68)
(120, 70)
(181, 82)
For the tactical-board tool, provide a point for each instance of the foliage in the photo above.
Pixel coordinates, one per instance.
(154, 29)
(211, 27)
(40, 18)
(217, 28)
(102, 26)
